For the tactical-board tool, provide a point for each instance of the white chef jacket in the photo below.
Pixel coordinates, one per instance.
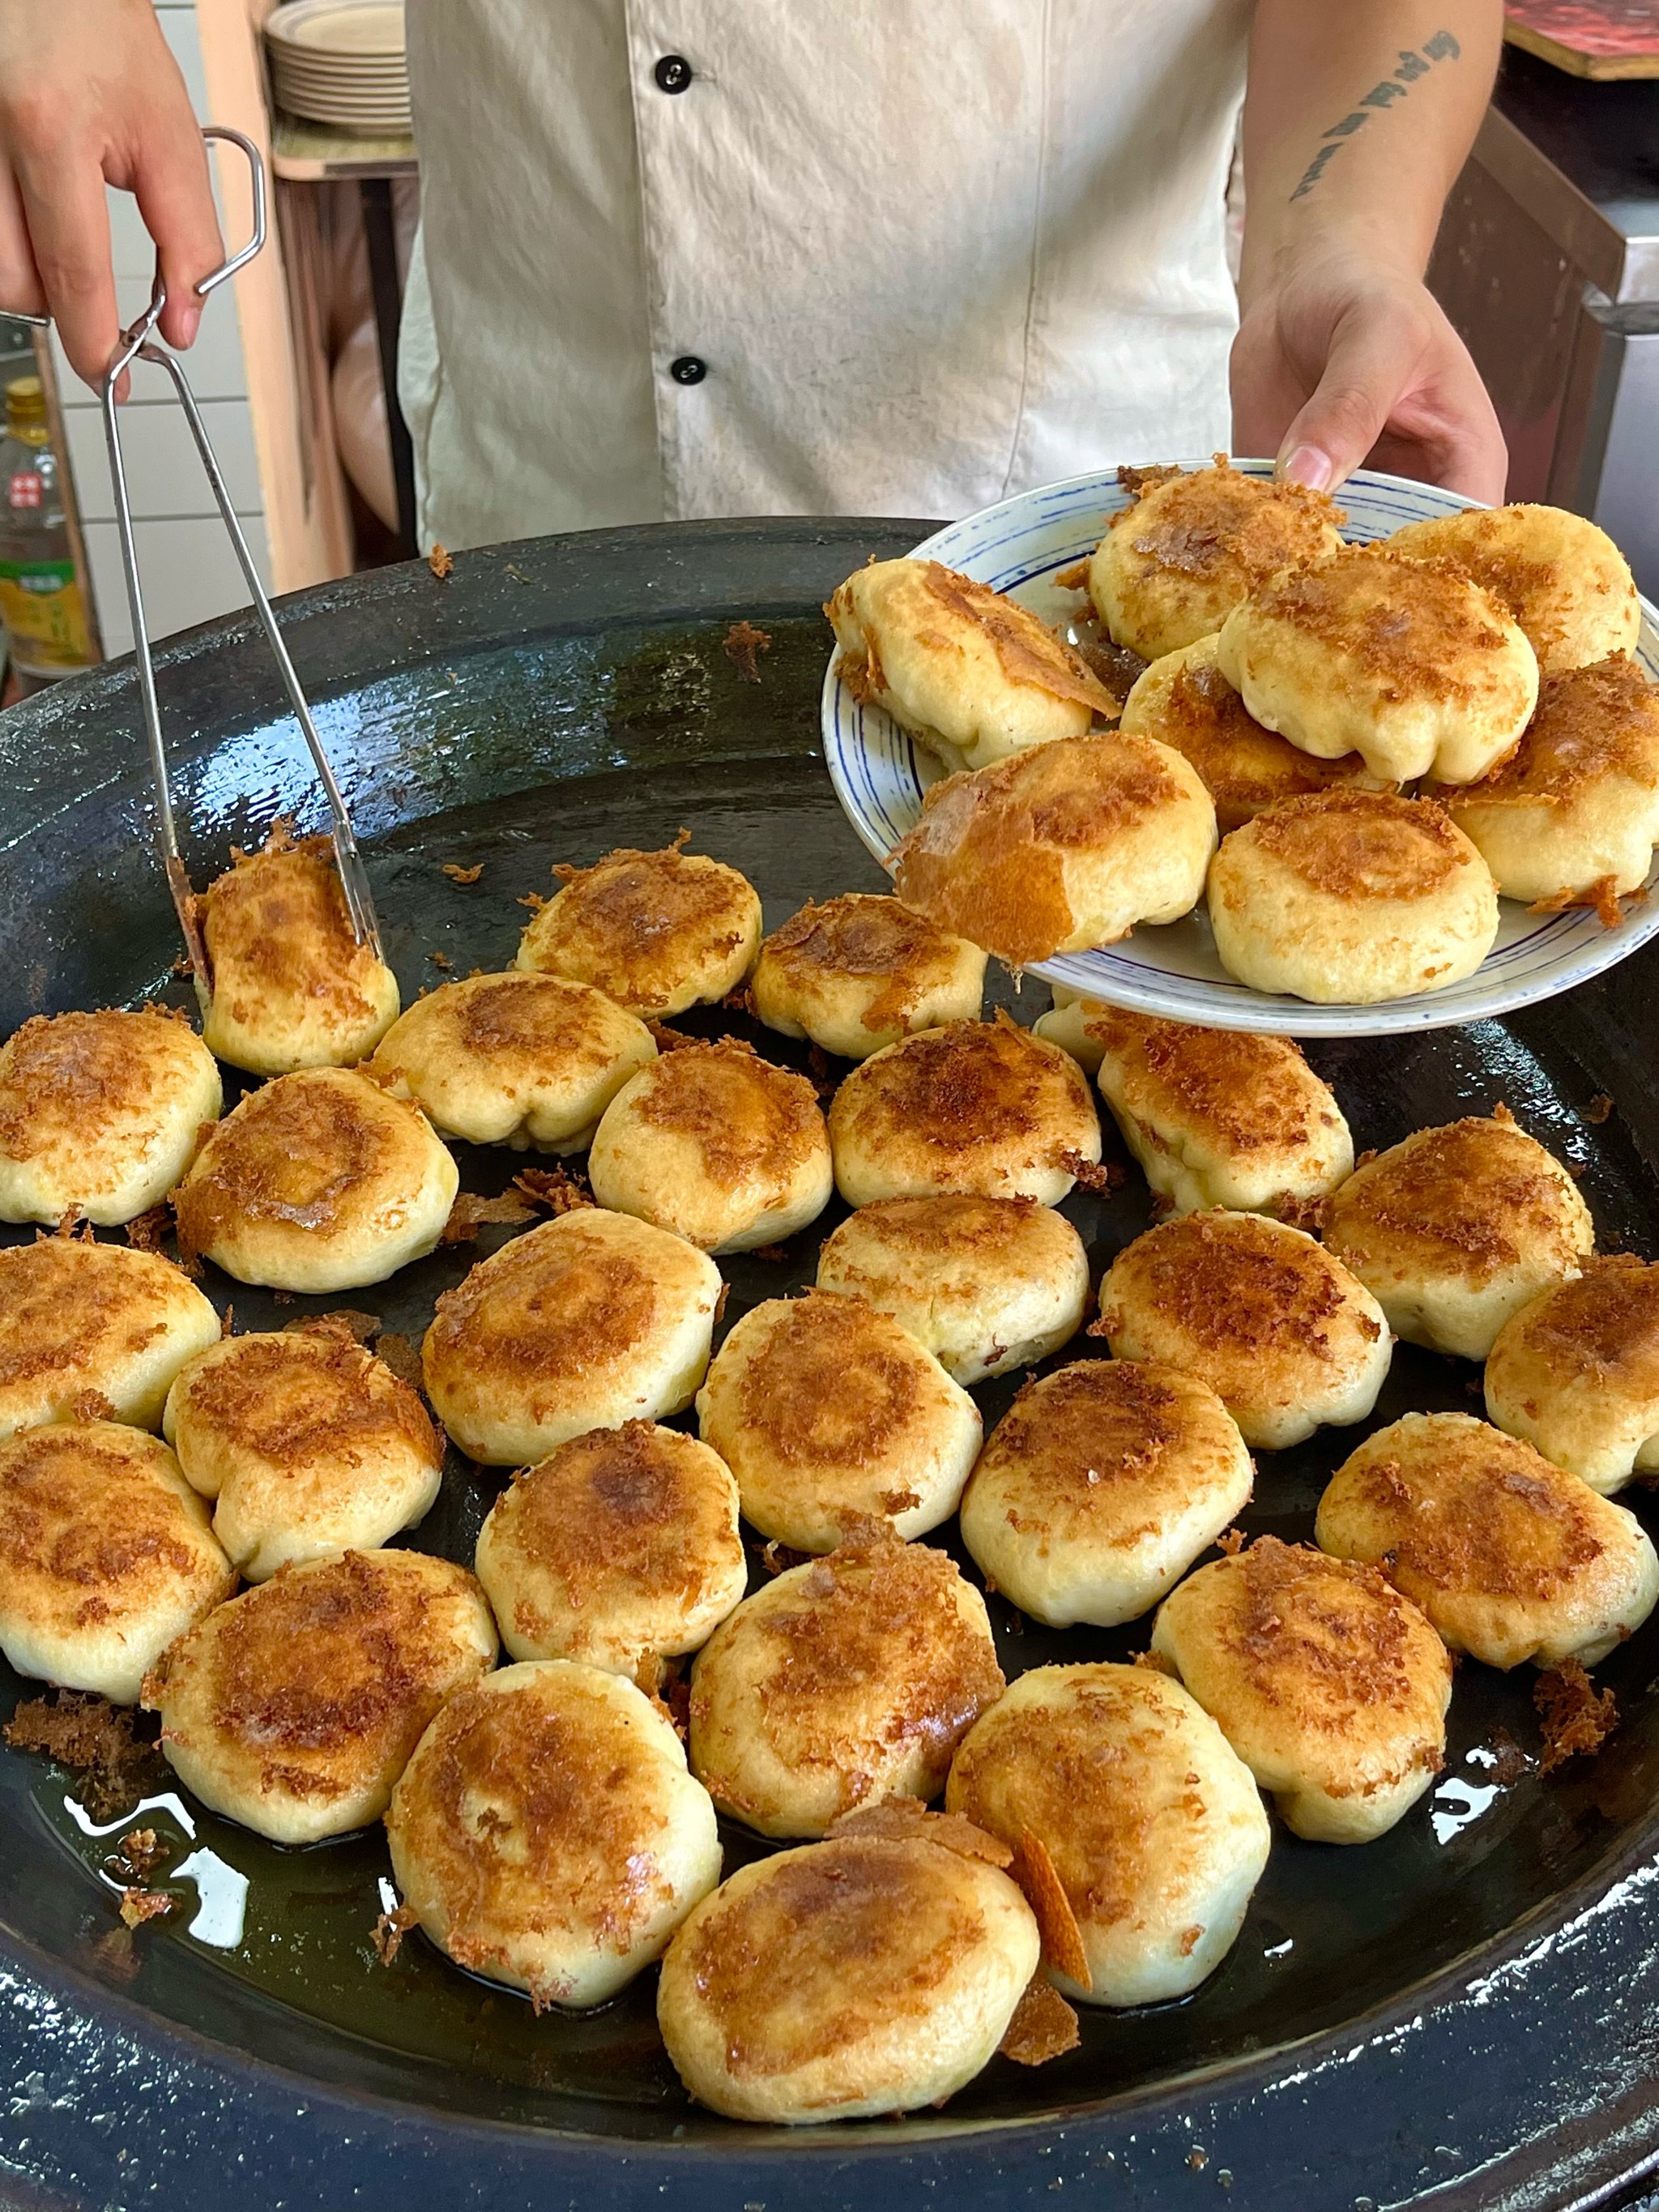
(924, 252)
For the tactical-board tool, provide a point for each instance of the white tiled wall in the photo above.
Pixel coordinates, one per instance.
(187, 566)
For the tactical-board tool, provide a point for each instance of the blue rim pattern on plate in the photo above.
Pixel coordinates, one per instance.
(1018, 547)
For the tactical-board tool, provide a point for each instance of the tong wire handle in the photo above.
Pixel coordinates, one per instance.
(138, 342)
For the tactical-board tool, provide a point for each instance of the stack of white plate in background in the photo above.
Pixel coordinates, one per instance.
(341, 62)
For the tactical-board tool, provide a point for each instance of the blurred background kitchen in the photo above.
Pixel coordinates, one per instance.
(1547, 263)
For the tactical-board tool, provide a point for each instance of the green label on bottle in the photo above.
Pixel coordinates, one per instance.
(41, 607)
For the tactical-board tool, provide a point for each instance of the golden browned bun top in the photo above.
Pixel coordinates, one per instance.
(832, 1945)
(1243, 1284)
(307, 1151)
(1316, 1636)
(1242, 1091)
(568, 1303)
(631, 1507)
(635, 923)
(1604, 1322)
(77, 1514)
(1101, 1423)
(79, 1076)
(748, 1117)
(1412, 627)
(833, 1383)
(870, 1642)
(529, 1019)
(862, 934)
(1471, 1510)
(1364, 844)
(1590, 724)
(988, 857)
(277, 924)
(1027, 650)
(338, 1663)
(1244, 766)
(67, 1303)
(960, 1225)
(1478, 1195)
(539, 1807)
(1222, 525)
(969, 1088)
(309, 1393)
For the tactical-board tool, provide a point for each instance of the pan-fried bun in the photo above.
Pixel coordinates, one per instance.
(972, 676)
(1069, 846)
(1330, 1686)
(94, 1331)
(1099, 1487)
(521, 1059)
(1351, 895)
(725, 1148)
(307, 1443)
(1564, 581)
(1151, 1821)
(621, 1546)
(586, 1323)
(830, 1415)
(1284, 1335)
(547, 1834)
(1510, 1558)
(984, 1284)
(292, 987)
(100, 1113)
(1215, 1117)
(865, 1975)
(1576, 805)
(655, 932)
(982, 1106)
(1575, 1373)
(106, 1556)
(295, 1708)
(1406, 663)
(1456, 1228)
(1186, 703)
(1173, 566)
(319, 1182)
(847, 1680)
(859, 972)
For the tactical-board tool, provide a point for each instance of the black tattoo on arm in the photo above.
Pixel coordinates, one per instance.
(1414, 62)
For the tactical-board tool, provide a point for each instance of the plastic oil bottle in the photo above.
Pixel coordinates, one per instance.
(40, 603)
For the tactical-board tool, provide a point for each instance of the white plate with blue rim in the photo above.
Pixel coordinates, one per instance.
(1019, 547)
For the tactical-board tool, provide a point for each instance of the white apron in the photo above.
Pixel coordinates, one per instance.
(925, 252)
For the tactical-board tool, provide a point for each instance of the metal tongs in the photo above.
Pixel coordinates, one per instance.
(138, 343)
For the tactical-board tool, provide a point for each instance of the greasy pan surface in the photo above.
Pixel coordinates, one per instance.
(1395, 2019)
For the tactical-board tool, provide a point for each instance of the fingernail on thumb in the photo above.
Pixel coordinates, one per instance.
(1306, 464)
(189, 322)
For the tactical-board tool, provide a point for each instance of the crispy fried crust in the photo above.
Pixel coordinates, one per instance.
(1564, 581)
(864, 1975)
(655, 932)
(295, 1709)
(1280, 1330)
(1061, 846)
(1457, 1227)
(842, 1682)
(828, 1413)
(105, 1555)
(292, 987)
(1330, 1685)
(548, 1834)
(621, 1544)
(1576, 1372)
(319, 1182)
(857, 972)
(1510, 1557)
(101, 1112)
(589, 1320)
(978, 1107)
(1140, 1809)
(83, 1324)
